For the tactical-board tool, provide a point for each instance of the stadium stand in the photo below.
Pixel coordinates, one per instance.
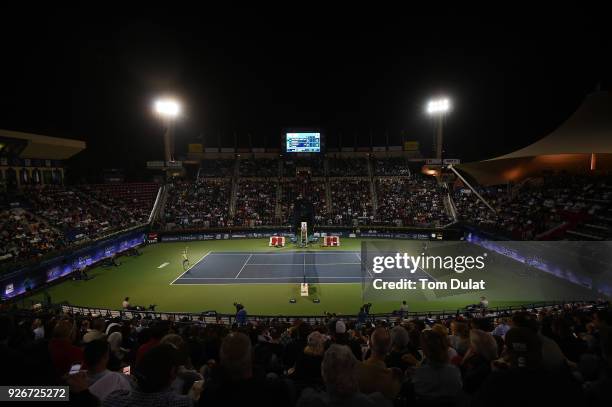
(414, 201)
(391, 166)
(217, 168)
(261, 167)
(557, 354)
(554, 205)
(204, 203)
(255, 203)
(348, 167)
(351, 202)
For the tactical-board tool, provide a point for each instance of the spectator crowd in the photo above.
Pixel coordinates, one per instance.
(558, 355)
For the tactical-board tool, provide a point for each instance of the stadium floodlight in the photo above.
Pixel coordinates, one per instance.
(168, 108)
(438, 108)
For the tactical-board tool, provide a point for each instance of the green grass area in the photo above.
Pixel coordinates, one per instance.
(145, 283)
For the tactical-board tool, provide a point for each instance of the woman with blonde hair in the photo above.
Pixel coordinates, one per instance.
(307, 367)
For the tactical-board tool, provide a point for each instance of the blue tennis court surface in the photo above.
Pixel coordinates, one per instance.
(274, 268)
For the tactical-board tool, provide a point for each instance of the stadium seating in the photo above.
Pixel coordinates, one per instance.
(255, 203)
(200, 204)
(552, 354)
(44, 219)
(553, 206)
(414, 201)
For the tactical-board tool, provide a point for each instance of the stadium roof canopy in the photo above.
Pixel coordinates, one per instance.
(582, 143)
(43, 147)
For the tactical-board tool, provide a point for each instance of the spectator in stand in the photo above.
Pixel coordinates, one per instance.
(186, 376)
(502, 328)
(476, 364)
(460, 338)
(403, 352)
(521, 369)
(102, 381)
(156, 332)
(38, 329)
(372, 374)
(96, 332)
(154, 375)
(236, 385)
(307, 368)
(126, 303)
(342, 387)
(61, 349)
(436, 380)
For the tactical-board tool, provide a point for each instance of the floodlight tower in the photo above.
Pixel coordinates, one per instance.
(168, 110)
(438, 108)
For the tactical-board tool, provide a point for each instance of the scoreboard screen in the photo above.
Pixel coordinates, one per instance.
(303, 142)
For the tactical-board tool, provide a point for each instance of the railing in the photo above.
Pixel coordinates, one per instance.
(229, 319)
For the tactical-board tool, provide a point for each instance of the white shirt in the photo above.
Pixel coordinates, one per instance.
(126, 304)
(108, 383)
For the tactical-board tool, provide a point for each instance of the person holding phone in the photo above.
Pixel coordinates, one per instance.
(61, 349)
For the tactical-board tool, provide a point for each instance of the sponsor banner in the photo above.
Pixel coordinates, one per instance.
(211, 149)
(174, 164)
(395, 148)
(379, 148)
(347, 149)
(259, 150)
(433, 161)
(152, 238)
(28, 278)
(227, 149)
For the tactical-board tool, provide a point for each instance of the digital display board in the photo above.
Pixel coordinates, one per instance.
(303, 142)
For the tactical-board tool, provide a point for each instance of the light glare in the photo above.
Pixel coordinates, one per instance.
(167, 107)
(438, 106)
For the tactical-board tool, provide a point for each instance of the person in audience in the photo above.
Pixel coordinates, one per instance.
(235, 384)
(373, 375)
(186, 375)
(436, 380)
(308, 363)
(476, 363)
(156, 332)
(102, 381)
(403, 353)
(154, 375)
(61, 349)
(38, 329)
(96, 331)
(460, 337)
(341, 384)
(522, 369)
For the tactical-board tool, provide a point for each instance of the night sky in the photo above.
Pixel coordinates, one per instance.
(93, 76)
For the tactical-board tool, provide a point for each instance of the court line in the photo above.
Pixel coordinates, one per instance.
(298, 264)
(266, 278)
(190, 267)
(244, 265)
(161, 266)
(278, 254)
(270, 283)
